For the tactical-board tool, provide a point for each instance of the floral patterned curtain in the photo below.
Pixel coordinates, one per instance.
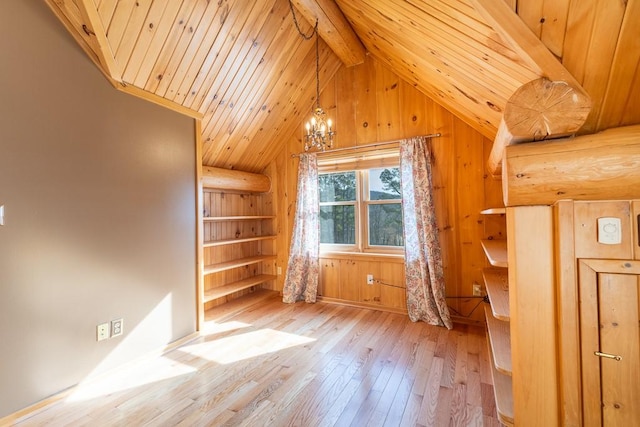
(423, 262)
(301, 282)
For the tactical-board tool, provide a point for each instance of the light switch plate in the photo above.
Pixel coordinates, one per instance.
(2, 215)
(609, 232)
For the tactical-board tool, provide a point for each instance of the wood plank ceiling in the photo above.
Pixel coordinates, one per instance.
(241, 66)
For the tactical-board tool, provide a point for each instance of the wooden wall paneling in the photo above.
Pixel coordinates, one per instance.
(590, 47)
(279, 174)
(414, 121)
(470, 198)
(346, 124)
(329, 285)
(350, 280)
(570, 391)
(626, 62)
(444, 153)
(389, 112)
(366, 107)
(393, 291)
(358, 98)
(532, 302)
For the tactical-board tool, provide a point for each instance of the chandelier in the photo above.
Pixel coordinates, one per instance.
(319, 132)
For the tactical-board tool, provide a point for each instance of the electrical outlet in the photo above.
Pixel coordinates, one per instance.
(102, 331)
(117, 327)
(477, 290)
(2, 215)
(279, 271)
(369, 279)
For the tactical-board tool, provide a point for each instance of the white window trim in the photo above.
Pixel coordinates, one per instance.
(347, 163)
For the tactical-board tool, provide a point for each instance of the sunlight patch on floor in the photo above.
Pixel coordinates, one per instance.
(244, 346)
(137, 374)
(210, 328)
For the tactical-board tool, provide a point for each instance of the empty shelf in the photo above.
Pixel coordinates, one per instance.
(503, 392)
(225, 290)
(500, 340)
(496, 280)
(494, 211)
(241, 262)
(496, 251)
(239, 240)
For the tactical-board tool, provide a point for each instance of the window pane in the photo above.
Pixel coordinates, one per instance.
(385, 225)
(384, 184)
(337, 187)
(338, 224)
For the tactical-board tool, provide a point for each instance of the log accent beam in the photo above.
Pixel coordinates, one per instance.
(334, 29)
(605, 165)
(539, 110)
(234, 180)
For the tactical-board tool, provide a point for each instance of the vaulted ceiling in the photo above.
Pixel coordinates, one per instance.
(243, 69)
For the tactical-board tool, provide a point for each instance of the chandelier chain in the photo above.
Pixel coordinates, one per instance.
(295, 21)
(317, 70)
(319, 134)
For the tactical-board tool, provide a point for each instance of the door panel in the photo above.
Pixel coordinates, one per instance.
(610, 323)
(618, 307)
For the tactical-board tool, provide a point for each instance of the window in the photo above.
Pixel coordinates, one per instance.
(360, 209)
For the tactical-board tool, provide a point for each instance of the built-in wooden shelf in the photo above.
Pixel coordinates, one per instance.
(502, 390)
(496, 251)
(494, 211)
(500, 340)
(240, 240)
(496, 281)
(241, 262)
(238, 218)
(219, 292)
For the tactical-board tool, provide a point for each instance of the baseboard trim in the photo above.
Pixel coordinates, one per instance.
(358, 304)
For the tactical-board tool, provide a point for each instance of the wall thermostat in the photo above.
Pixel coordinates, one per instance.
(609, 232)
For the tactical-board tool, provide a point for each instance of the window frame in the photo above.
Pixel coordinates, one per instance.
(361, 165)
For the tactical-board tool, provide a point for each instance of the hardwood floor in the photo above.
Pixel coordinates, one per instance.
(264, 363)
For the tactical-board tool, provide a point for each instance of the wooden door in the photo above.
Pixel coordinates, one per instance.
(610, 324)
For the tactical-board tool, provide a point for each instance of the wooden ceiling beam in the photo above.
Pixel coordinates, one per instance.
(97, 38)
(334, 29)
(514, 31)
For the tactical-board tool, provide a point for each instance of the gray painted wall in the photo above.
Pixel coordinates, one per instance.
(99, 194)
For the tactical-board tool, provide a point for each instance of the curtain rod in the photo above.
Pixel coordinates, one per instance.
(375, 144)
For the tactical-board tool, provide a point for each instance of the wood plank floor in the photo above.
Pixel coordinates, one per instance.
(264, 363)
